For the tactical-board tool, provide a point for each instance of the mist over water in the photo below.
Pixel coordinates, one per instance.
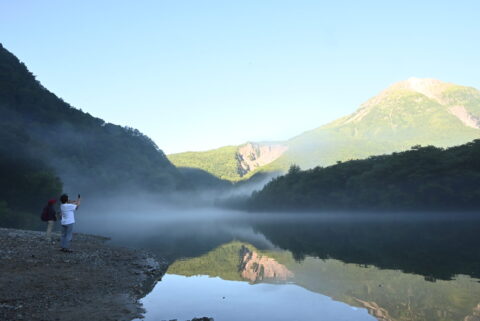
(189, 229)
(368, 261)
(171, 231)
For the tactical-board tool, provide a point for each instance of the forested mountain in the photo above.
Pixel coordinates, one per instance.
(423, 178)
(42, 137)
(412, 112)
(83, 150)
(25, 186)
(409, 113)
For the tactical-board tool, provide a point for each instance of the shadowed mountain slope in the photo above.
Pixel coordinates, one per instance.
(84, 151)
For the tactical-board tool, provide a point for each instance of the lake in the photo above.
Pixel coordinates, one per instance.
(237, 266)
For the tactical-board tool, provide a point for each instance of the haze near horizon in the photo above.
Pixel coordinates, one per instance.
(195, 77)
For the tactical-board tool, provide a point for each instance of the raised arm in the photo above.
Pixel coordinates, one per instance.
(77, 202)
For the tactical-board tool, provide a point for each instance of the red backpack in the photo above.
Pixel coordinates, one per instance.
(44, 215)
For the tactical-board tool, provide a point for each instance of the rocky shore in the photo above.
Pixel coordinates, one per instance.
(97, 281)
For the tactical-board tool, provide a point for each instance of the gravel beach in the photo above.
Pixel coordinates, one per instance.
(98, 281)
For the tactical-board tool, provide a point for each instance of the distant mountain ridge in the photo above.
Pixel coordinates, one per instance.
(408, 113)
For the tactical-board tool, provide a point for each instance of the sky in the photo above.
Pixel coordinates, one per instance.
(197, 75)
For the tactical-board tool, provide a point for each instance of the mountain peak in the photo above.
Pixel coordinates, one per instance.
(432, 88)
(397, 101)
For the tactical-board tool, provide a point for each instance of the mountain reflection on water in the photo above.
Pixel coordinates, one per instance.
(397, 269)
(386, 294)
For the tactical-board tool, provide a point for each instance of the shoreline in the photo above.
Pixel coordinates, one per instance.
(98, 281)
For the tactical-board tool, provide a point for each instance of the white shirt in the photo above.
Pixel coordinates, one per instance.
(67, 213)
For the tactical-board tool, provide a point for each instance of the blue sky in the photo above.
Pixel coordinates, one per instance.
(195, 75)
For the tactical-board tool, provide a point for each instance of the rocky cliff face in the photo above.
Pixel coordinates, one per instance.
(465, 116)
(256, 267)
(253, 155)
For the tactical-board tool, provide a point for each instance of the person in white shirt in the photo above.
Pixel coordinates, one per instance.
(68, 220)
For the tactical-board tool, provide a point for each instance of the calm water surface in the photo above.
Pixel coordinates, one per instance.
(234, 266)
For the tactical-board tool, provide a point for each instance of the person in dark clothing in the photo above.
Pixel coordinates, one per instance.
(50, 216)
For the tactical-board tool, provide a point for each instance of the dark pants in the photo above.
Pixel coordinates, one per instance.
(67, 234)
